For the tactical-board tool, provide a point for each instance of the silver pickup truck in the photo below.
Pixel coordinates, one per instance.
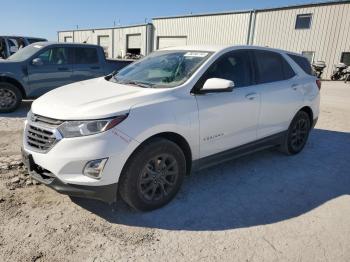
(43, 66)
(11, 44)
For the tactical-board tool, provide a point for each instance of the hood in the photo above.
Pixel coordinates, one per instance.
(92, 99)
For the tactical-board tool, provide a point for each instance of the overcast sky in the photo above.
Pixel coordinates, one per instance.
(44, 18)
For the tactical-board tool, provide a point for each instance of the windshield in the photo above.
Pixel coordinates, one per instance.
(25, 53)
(162, 69)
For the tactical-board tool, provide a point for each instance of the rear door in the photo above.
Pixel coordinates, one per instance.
(281, 92)
(86, 64)
(56, 70)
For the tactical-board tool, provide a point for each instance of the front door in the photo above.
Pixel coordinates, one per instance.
(51, 70)
(229, 119)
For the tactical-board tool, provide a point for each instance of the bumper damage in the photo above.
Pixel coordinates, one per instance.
(106, 193)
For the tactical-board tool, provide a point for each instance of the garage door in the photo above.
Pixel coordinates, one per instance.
(164, 42)
(103, 40)
(134, 41)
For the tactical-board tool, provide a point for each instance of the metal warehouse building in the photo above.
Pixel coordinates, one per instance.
(116, 41)
(320, 31)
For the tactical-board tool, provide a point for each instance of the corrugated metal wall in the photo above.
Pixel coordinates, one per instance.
(120, 39)
(62, 35)
(328, 36)
(117, 38)
(200, 30)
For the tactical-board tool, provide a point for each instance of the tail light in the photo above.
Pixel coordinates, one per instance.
(318, 83)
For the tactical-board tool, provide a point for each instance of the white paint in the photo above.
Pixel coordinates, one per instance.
(209, 123)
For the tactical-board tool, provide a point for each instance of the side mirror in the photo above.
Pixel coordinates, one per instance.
(216, 85)
(13, 49)
(37, 62)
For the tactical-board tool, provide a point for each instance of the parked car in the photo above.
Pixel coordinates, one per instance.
(176, 110)
(10, 44)
(43, 66)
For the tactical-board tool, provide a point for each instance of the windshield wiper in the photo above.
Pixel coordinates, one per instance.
(136, 83)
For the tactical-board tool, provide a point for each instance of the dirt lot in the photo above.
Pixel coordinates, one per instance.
(263, 207)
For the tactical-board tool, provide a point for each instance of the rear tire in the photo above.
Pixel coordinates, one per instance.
(297, 134)
(10, 98)
(153, 175)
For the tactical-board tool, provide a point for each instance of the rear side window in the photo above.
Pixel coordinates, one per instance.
(85, 55)
(302, 62)
(272, 67)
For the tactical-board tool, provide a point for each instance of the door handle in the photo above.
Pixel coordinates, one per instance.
(63, 68)
(294, 86)
(95, 67)
(251, 96)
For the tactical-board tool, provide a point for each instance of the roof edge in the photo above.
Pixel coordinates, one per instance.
(104, 28)
(336, 2)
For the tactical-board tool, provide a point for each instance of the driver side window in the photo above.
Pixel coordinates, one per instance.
(54, 56)
(234, 66)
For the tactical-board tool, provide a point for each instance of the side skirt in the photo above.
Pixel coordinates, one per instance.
(239, 151)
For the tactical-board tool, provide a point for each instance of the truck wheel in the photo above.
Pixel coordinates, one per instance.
(10, 98)
(297, 134)
(153, 175)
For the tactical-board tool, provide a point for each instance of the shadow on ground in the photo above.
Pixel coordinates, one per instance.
(21, 111)
(262, 188)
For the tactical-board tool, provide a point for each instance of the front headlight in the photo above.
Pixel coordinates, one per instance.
(88, 127)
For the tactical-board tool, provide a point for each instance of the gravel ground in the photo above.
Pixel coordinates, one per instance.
(263, 207)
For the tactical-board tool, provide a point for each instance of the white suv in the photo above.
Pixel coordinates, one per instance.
(140, 131)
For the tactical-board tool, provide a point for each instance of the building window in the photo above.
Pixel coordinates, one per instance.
(345, 58)
(303, 21)
(309, 55)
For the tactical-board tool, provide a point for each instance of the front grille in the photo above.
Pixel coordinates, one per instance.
(41, 133)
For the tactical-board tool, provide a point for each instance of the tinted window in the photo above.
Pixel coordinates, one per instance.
(272, 67)
(303, 21)
(34, 40)
(86, 55)
(234, 66)
(303, 62)
(345, 58)
(2, 48)
(54, 56)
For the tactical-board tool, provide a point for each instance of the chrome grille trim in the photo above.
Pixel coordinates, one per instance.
(41, 133)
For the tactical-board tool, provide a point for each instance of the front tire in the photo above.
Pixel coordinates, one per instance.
(297, 134)
(10, 98)
(153, 175)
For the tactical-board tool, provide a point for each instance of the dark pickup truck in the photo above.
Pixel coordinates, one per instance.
(43, 66)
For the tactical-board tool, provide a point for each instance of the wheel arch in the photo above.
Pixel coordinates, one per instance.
(10, 80)
(177, 139)
(309, 111)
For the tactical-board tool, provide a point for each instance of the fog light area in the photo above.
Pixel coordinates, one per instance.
(94, 168)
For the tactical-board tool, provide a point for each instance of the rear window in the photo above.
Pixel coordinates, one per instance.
(35, 40)
(85, 55)
(272, 67)
(302, 62)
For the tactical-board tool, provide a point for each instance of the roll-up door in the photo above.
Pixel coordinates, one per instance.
(164, 42)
